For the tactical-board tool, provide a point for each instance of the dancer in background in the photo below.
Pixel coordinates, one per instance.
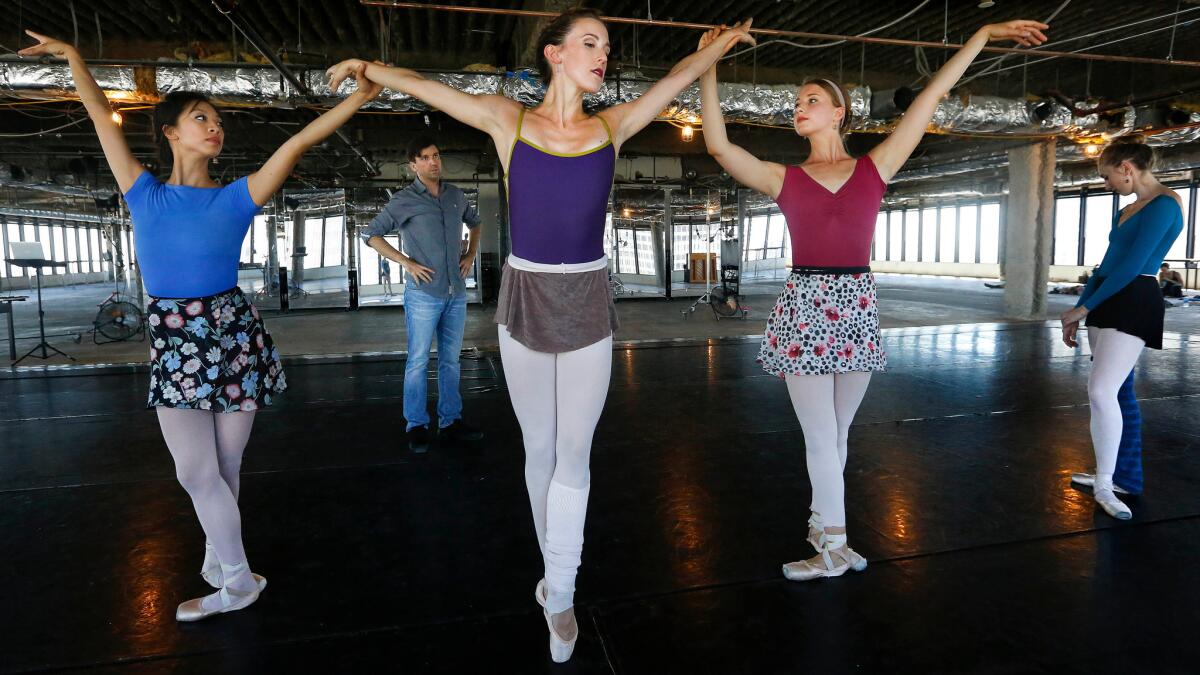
(212, 362)
(823, 336)
(1122, 302)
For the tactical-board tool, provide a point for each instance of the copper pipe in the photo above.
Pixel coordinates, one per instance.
(394, 4)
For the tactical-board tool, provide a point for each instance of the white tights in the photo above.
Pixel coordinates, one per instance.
(1114, 354)
(825, 406)
(558, 399)
(207, 448)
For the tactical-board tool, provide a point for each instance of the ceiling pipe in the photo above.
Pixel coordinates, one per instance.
(230, 9)
(394, 4)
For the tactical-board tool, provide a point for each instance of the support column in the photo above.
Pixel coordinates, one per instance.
(299, 250)
(1029, 229)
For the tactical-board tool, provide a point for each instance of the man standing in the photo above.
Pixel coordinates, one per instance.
(429, 215)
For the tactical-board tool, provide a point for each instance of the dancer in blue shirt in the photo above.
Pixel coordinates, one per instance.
(1122, 301)
(212, 362)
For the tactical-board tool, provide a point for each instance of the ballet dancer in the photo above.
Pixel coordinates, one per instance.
(823, 336)
(1122, 301)
(555, 315)
(212, 361)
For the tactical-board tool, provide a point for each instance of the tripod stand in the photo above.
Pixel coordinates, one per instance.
(706, 297)
(45, 347)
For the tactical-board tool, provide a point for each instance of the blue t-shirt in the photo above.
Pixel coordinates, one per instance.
(1136, 246)
(189, 239)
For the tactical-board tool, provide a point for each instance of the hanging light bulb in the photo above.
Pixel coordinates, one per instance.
(688, 133)
(1092, 149)
(117, 118)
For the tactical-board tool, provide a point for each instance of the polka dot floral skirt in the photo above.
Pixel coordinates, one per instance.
(824, 324)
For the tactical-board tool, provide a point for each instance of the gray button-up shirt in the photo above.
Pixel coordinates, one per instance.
(430, 232)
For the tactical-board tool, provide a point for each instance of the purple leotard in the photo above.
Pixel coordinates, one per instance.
(557, 203)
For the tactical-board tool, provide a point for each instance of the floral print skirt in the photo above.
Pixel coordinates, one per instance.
(211, 353)
(824, 324)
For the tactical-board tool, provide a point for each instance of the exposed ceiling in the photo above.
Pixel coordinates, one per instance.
(318, 33)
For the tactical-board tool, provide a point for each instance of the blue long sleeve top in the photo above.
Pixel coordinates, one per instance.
(1136, 246)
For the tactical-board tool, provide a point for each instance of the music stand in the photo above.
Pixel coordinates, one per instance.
(29, 254)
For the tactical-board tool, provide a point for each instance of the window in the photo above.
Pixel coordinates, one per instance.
(879, 241)
(334, 235)
(1179, 248)
(679, 247)
(776, 235)
(3, 252)
(947, 234)
(756, 237)
(989, 233)
(249, 243)
(912, 234)
(72, 250)
(929, 240)
(895, 234)
(1097, 225)
(59, 252)
(95, 252)
(645, 252)
(314, 231)
(45, 237)
(1066, 231)
(968, 223)
(626, 260)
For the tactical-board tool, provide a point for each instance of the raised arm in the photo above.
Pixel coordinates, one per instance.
(121, 162)
(267, 180)
(492, 114)
(629, 118)
(891, 154)
(754, 173)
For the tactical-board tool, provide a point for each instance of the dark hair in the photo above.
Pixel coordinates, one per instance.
(836, 93)
(555, 32)
(1131, 148)
(167, 113)
(417, 144)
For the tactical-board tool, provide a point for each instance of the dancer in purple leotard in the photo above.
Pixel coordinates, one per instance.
(555, 313)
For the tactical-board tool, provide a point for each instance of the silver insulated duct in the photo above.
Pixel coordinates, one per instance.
(760, 104)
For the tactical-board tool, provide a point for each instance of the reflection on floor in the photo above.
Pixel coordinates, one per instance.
(983, 559)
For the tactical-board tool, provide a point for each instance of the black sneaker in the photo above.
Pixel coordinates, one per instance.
(459, 430)
(418, 439)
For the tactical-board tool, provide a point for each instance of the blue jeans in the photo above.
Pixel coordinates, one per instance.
(425, 316)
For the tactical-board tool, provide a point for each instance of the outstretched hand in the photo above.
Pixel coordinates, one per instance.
(46, 46)
(737, 33)
(1022, 31)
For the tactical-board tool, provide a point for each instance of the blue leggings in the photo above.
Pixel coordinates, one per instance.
(1129, 457)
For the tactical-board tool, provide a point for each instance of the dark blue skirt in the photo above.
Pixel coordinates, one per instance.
(211, 353)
